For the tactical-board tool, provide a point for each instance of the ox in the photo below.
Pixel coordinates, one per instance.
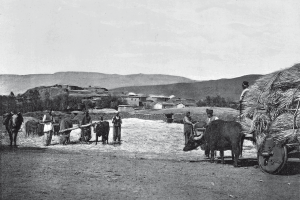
(102, 129)
(56, 128)
(34, 127)
(219, 135)
(65, 134)
(13, 124)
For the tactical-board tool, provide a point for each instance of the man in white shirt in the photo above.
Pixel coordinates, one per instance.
(245, 86)
(48, 128)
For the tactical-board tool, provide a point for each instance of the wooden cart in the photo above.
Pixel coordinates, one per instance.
(272, 156)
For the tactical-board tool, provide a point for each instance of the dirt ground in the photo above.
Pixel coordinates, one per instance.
(45, 173)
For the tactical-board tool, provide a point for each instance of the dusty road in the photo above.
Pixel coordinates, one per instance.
(39, 173)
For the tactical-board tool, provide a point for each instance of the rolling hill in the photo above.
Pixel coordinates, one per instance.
(21, 83)
(227, 88)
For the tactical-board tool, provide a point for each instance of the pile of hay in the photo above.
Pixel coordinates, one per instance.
(272, 105)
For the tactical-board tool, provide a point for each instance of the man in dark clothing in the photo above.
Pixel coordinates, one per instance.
(188, 127)
(210, 118)
(86, 131)
(117, 121)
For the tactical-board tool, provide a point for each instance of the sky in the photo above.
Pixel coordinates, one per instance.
(197, 39)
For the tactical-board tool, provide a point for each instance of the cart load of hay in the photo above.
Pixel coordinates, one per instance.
(272, 105)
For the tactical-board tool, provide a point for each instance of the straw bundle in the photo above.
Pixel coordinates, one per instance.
(272, 101)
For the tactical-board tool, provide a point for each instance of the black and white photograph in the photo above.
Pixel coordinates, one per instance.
(149, 99)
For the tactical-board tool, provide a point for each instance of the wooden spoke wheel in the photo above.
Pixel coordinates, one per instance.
(271, 157)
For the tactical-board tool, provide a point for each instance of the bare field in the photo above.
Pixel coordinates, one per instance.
(149, 164)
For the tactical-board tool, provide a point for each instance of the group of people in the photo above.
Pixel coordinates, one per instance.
(189, 123)
(48, 121)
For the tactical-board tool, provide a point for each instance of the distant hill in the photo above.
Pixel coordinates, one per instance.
(21, 83)
(228, 88)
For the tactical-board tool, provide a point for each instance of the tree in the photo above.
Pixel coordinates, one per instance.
(201, 103)
(208, 101)
(47, 101)
(11, 102)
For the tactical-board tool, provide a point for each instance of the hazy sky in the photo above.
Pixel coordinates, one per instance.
(192, 38)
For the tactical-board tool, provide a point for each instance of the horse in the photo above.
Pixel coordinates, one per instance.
(13, 124)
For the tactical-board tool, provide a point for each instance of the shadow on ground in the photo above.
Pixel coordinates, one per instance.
(243, 162)
(8, 148)
(292, 167)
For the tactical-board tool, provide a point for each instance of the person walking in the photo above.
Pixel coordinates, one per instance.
(48, 128)
(187, 127)
(117, 121)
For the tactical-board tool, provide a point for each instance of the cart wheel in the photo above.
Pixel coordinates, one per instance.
(272, 158)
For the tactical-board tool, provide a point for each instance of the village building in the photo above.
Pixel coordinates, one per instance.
(185, 104)
(136, 100)
(182, 103)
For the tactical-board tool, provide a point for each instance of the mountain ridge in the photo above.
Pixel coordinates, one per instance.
(21, 83)
(228, 88)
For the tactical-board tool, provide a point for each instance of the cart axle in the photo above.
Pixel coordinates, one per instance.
(267, 154)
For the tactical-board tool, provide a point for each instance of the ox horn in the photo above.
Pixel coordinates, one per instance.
(198, 137)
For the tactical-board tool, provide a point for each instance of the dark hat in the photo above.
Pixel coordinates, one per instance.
(209, 111)
(245, 83)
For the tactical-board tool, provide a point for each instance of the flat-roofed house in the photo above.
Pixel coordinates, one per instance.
(135, 99)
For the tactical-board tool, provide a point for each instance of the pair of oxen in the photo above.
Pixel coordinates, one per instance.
(219, 135)
(100, 128)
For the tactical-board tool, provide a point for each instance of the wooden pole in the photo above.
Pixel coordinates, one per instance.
(295, 116)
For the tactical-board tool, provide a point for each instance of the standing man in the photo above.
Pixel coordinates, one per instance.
(117, 121)
(48, 128)
(210, 118)
(187, 127)
(245, 87)
(86, 131)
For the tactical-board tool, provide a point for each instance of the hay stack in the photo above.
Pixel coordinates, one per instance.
(270, 103)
